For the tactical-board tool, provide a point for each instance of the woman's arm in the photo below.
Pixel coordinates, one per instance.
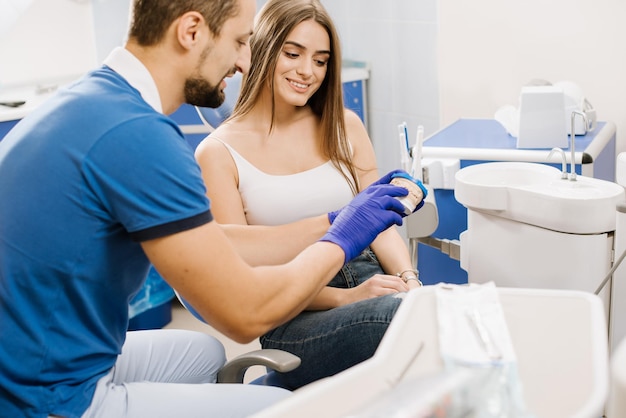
(240, 301)
(257, 244)
(377, 285)
(389, 247)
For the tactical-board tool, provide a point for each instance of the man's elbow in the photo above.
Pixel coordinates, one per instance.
(246, 332)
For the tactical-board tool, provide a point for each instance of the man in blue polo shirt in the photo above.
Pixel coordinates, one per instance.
(96, 184)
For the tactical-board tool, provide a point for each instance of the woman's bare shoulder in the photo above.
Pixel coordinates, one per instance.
(210, 148)
(226, 131)
(352, 118)
(355, 129)
(234, 132)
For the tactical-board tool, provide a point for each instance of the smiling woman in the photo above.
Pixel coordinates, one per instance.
(301, 68)
(292, 151)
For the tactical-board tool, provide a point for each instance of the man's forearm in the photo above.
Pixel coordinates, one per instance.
(270, 245)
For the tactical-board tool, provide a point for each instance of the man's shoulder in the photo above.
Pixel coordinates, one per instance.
(109, 98)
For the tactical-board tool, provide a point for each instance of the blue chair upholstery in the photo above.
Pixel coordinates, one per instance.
(271, 378)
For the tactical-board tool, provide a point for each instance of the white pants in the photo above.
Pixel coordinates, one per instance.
(172, 373)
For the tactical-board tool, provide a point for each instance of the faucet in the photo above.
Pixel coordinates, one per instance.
(563, 161)
(572, 175)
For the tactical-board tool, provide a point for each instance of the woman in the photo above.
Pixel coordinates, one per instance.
(290, 151)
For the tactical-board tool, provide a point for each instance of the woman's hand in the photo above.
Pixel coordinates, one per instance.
(377, 285)
(413, 284)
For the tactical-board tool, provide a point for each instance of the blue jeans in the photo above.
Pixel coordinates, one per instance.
(331, 341)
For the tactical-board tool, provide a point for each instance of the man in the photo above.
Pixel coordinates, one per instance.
(98, 183)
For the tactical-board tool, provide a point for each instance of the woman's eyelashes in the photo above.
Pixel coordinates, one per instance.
(320, 62)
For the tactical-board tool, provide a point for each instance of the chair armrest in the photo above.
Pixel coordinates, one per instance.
(234, 370)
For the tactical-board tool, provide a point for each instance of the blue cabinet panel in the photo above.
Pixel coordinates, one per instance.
(354, 98)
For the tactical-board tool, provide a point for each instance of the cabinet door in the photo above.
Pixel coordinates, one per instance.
(354, 98)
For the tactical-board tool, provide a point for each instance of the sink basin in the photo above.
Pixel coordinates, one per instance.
(536, 194)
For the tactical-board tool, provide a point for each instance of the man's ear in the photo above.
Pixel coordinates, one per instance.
(191, 26)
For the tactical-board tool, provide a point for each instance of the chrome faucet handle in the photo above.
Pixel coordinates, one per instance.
(586, 126)
(563, 161)
(572, 175)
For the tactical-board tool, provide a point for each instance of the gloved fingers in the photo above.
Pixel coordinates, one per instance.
(375, 190)
(332, 215)
(370, 212)
(385, 189)
(393, 204)
(387, 177)
(396, 216)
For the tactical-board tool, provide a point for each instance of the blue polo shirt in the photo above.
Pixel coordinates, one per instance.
(83, 180)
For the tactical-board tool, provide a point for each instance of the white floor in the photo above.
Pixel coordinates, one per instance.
(182, 319)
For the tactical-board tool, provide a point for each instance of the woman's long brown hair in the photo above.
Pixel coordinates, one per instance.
(274, 22)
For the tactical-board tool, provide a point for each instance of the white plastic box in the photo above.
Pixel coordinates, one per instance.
(541, 118)
(559, 336)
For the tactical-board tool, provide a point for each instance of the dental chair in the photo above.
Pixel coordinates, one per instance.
(274, 360)
(234, 370)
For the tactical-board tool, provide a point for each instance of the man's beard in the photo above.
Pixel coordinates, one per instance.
(199, 92)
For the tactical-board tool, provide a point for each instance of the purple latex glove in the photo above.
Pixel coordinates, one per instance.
(383, 180)
(370, 212)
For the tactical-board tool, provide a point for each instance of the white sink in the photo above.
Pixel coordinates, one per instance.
(536, 194)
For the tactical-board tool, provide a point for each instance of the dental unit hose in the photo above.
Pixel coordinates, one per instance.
(610, 273)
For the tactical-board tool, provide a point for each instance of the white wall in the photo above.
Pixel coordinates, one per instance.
(432, 61)
(488, 49)
(110, 25)
(398, 38)
(50, 40)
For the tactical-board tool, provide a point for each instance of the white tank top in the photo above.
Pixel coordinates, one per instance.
(279, 199)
